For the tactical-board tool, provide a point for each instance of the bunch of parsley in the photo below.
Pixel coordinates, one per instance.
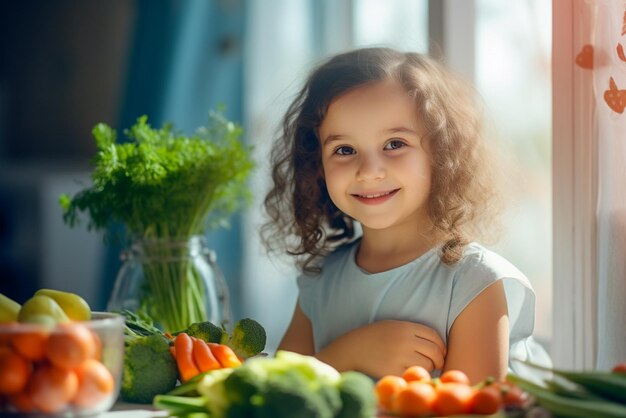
(163, 185)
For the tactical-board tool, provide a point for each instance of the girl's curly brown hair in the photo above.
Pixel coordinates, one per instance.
(463, 199)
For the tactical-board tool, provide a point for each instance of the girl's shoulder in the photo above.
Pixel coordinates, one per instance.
(482, 260)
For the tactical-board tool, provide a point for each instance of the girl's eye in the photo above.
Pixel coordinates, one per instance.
(394, 144)
(344, 150)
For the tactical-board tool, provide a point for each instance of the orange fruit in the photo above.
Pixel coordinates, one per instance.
(70, 345)
(416, 399)
(453, 399)
(95, 383)
(386, 388)
(51, 388)
(15, 371)
(454, 376)
(416, 373)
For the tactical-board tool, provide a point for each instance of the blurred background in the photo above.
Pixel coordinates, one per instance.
(67, 64)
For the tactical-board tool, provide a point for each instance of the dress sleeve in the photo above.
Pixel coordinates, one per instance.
(307, 294)
(476, 273)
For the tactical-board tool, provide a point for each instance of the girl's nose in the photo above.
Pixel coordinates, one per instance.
(370, 168)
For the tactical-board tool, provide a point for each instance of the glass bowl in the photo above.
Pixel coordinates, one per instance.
(70, 370)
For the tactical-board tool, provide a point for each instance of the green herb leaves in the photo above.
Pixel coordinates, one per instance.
(162, 183)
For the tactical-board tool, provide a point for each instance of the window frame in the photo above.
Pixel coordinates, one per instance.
(574, 191)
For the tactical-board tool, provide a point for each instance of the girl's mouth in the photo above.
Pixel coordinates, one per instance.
(375, 198)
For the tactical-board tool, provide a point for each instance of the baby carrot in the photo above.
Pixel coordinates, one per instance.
(184, 357)
(225, 355)
(204, 358)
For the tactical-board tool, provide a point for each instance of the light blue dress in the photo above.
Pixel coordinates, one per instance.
(426, 291)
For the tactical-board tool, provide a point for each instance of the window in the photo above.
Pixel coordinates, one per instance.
(510, 57)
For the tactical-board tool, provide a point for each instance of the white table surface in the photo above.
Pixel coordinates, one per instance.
(128, 410)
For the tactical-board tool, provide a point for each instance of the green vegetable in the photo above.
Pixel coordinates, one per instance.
(356, 391)
(605, 384)
(208, 332)
(289, 385)
(248, 338)
(139, 324)
(163, 185)
(290, 395)
(568, 407)
(149, 368)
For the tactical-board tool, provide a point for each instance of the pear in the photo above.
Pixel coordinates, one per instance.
(41, 306)
(8, 309)
(74, 306)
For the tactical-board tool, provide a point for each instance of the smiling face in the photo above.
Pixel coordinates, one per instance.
(375, 167)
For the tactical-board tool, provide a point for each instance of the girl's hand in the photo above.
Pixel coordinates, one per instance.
(386, 347)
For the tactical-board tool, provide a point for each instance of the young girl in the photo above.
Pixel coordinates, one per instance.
(392, 142)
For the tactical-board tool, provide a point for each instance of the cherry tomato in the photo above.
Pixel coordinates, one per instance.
(416, 373)
(453, 399)
(454, 376)
(386, 388)
(487, 401)
(416, 399)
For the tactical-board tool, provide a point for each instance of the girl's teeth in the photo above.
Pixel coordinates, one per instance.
(372, 196)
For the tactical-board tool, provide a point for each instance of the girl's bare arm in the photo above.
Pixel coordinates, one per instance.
(381, 348)
(386, 347)
(478, 343)
(299, 335)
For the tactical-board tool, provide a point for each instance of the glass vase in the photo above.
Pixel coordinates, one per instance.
(176, 282)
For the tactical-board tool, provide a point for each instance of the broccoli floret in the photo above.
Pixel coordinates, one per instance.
(211, 388)
(208, 332)
(149, 368)
(309, 366)
(242, 384)
(242, 388)
(289, 394)
(357, 396)
(248, 338)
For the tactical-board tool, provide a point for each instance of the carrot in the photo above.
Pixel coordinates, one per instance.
(15, 371)
(173, 351)
(183, 344)
(225, 355)
(203, 357)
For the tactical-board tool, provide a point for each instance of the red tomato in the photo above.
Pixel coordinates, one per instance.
(619, 368)
(487, 401)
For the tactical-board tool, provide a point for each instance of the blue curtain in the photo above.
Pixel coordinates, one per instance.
(186, 59)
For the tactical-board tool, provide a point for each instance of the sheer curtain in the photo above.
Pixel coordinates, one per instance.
(609, 82)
